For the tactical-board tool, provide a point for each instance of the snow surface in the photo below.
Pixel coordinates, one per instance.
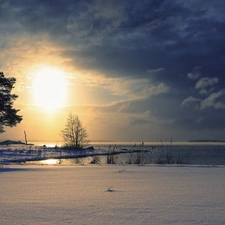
(112, 194)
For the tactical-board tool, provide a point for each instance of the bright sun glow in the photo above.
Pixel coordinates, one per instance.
(49, 88)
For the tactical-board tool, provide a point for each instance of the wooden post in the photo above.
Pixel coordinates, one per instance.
(25, 137)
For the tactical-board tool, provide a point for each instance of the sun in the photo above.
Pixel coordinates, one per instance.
(49, 88)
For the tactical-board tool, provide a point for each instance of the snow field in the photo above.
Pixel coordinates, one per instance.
(106, 194)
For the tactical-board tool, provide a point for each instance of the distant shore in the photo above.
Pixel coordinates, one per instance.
(9, 142)
(207, 141)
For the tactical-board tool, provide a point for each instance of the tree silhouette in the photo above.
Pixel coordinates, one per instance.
(8, 115)
(74, 134)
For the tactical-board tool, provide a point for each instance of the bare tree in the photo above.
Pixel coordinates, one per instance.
(74, 134)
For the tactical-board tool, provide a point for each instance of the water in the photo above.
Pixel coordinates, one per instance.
(201, 153)
(208, 153)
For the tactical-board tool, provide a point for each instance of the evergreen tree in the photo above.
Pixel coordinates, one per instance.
(8, 115)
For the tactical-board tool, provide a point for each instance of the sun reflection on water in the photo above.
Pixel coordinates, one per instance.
(50, 161)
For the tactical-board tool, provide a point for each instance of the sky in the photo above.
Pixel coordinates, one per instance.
(132, 70)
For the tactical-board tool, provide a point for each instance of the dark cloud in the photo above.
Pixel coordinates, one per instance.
(210, 122)
(178, 44)
(139, 122)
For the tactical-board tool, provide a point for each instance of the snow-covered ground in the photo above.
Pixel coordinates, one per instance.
(112, 194)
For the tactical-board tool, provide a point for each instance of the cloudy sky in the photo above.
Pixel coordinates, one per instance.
(132, 70)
